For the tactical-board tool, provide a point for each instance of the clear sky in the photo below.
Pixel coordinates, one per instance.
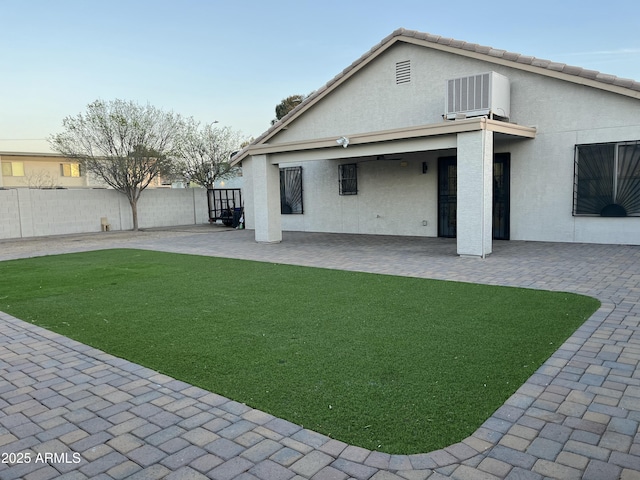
(232, 61)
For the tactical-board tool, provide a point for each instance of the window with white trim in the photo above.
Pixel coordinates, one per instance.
(607, 179)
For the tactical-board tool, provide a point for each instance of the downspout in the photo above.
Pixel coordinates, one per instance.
(483, 127)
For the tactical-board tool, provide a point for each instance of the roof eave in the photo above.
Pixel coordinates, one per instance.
(32, 154)
(547, 68)
(320, 93)
(421, 131)
(494, 56)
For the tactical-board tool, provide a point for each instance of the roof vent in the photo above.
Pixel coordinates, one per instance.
(403, 72)
(478, 95)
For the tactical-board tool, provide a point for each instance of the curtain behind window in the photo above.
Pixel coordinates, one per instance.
(594, 177)
(628, 191)
(291, 190)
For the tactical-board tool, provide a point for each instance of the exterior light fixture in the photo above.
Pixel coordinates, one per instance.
(344, 141)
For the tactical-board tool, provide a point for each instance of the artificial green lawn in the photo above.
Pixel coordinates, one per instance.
(395, 364)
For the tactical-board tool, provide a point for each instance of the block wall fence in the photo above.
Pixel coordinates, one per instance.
(32, 213)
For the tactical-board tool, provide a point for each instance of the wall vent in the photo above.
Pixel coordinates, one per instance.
(478, 95)
(403, 72)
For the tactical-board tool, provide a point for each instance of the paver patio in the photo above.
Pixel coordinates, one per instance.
(576, 417)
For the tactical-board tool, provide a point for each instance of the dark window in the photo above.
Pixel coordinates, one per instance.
(348, 179)
(607, 179)
(291, 190)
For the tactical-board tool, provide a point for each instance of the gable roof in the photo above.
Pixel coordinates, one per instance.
(562, 71)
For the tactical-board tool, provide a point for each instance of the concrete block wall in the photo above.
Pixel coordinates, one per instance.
(58, 212)
(162, 207)
(32, 213)
(9, 214)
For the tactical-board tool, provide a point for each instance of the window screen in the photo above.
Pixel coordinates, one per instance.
(607, 179)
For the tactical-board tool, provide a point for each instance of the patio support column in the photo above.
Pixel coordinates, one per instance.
(266, 200)
(474, 222)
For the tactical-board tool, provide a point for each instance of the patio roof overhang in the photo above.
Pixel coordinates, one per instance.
(434, 136)
(472, 140)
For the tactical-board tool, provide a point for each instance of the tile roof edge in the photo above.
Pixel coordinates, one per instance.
(601, 77)
(516, 58)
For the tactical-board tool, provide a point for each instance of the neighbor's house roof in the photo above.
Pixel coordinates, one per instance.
(31, 154)
(562, 71)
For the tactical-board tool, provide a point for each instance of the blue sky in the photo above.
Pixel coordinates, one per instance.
(234, 60)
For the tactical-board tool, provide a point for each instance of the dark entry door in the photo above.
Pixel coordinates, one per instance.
(447, 196)
(501, 180)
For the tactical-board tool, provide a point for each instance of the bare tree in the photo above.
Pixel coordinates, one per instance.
(204, 153)
(124, 144)
(40, 179)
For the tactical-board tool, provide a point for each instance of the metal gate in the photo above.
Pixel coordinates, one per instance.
(225, 204)
(448, 200)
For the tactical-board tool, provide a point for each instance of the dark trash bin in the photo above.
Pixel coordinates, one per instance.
(237, 214)
(227, 218)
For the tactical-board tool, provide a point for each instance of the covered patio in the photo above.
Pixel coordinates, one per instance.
(472, 141)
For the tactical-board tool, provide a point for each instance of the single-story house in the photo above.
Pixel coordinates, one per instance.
(430, 136)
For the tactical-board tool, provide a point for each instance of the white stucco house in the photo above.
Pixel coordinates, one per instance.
(429, 136)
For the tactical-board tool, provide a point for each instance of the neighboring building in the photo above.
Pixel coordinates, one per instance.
(429, 136)
(52, 170)
(40, 170)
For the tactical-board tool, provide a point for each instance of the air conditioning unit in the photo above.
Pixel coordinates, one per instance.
(478, 95)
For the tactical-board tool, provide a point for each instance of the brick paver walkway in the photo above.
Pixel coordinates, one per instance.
(75, 412)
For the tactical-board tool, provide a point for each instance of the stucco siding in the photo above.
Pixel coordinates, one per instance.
(542, 188)
(393, 198)
(393, 201)
(247, 194)
(542, 179)
(623, 231)
(371, 101)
